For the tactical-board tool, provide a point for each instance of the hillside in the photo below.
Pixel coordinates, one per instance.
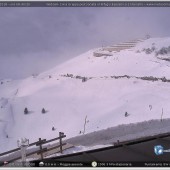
(100, 89)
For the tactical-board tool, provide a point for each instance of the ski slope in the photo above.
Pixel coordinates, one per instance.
(103, 99)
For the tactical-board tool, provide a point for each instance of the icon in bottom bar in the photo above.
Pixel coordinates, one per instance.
(41, 164)
(94, 164)
(159, 150)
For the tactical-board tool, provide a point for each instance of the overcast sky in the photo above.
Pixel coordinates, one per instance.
(33, 40)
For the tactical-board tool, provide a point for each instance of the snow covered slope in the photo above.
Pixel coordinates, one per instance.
(98, 89)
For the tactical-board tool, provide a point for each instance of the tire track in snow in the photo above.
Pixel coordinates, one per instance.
(4, 103)
(9, 123)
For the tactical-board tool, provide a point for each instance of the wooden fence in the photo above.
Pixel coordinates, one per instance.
(41, 150)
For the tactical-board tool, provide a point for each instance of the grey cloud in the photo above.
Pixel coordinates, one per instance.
(36, 39)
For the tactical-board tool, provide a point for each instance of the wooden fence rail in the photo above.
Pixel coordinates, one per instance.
(11, 151)
(39, 151)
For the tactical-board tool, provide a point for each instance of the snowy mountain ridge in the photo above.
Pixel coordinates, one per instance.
(101, 89)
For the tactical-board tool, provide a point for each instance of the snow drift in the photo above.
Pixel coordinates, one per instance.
(88, 93)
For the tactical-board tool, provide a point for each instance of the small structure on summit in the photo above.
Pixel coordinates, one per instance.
(107, 51)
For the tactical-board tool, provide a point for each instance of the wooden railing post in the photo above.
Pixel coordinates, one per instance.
(60, 135)
(41, 149)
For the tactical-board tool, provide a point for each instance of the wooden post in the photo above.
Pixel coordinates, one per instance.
(162, 114)
(60, 135)
(85, 125)
(41, 149)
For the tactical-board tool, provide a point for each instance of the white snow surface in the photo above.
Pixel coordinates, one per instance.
(104, 100)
